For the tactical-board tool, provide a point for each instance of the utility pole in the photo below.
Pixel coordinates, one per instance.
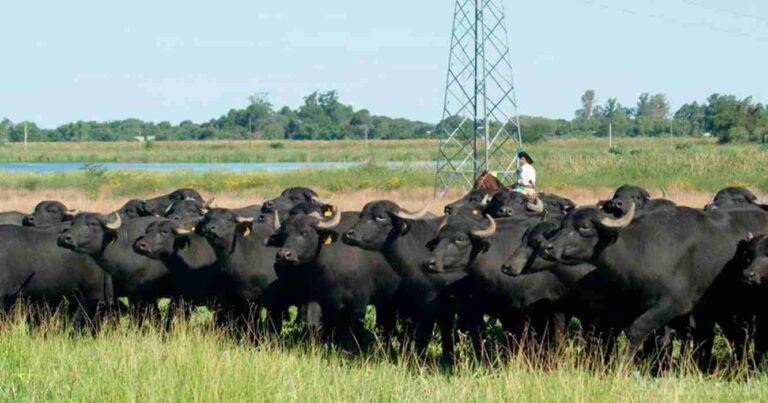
(610, 136)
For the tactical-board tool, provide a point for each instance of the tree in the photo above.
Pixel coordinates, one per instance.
(587, 105)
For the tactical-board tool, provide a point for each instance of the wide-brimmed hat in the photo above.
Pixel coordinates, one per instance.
(523, 154)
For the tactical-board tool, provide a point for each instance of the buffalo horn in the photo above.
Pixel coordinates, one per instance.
(485, 233)
(276, 223)
(115, 222)
(332, 222)
(536, 206)
(620, 222)
(407, 215)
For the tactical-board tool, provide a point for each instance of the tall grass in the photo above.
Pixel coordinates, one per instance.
(198, 363)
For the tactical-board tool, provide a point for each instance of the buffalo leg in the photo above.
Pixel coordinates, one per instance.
(650, 320)
(447, 336)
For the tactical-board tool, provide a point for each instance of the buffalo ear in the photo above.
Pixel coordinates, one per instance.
(274, 241)
(431, 245)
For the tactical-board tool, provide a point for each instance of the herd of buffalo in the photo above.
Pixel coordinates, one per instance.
(644, 267)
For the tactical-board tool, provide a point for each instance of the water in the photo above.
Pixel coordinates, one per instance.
(49, 167)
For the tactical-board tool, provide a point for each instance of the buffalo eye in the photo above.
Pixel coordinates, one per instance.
(460, 240)
(739, 200)
(584, 227)
(381, 218)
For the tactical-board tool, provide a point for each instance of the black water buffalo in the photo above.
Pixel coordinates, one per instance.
(248, 277)
(133, 208)
(109, 241)
(755, 252)
(734, 197)
(343, 279)
(48, 212)
(34, 268)
(186, 213)
(655, 269)
(752, 259)
(629, 195)
(190, 259)
(291, 198)
(480, 250)
(401, 238)
(158, 205)
(508, 203)
(473, 202)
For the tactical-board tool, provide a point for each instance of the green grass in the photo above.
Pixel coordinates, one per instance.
(197, 363)
(221, 151)
(691, 165)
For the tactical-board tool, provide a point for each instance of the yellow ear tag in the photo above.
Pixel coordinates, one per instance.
(247, 232)
(328, 213)
(328, 240)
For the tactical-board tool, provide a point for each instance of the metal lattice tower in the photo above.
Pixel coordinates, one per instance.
(480, 129)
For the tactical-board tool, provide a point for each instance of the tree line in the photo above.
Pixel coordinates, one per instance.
(323, 116)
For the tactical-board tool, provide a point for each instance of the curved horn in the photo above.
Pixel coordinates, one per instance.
(168, 209)
(332, 222)
(537, 206)
(182, 231)
(114, 223)
(72, 212)
(620, 222)
(407, 215)
(209, 203)
(241, 219)
(664, 194)
(442, 224)
(485, 233)
(276, 223)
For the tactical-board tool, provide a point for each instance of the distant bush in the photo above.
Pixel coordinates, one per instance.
(736, 134)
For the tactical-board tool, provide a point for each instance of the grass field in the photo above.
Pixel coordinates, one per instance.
(196, 363)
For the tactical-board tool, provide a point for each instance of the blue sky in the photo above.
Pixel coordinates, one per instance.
(176, 60)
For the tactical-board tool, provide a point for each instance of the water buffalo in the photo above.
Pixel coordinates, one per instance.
(247, 268)
(190, 259)
(186, 213)
(480, 250)
(109, 241)
(291, 198)
(48, 212)
(508, 203)
(133, 208)
(630, 195)
(343, 279)
(473, 202)
(734, 197)
(634, 258)
(401, 237)
(32, 267)
(158, 205)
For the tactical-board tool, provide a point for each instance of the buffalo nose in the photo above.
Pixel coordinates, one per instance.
(430, 264)
(548, 247)
(507, 211)
(268, 204)
(506, 268)
(284, 254)
(67, 238)
(176, 218)
(448, 209)
(142, 245)
(350, 233)
(31, 218)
